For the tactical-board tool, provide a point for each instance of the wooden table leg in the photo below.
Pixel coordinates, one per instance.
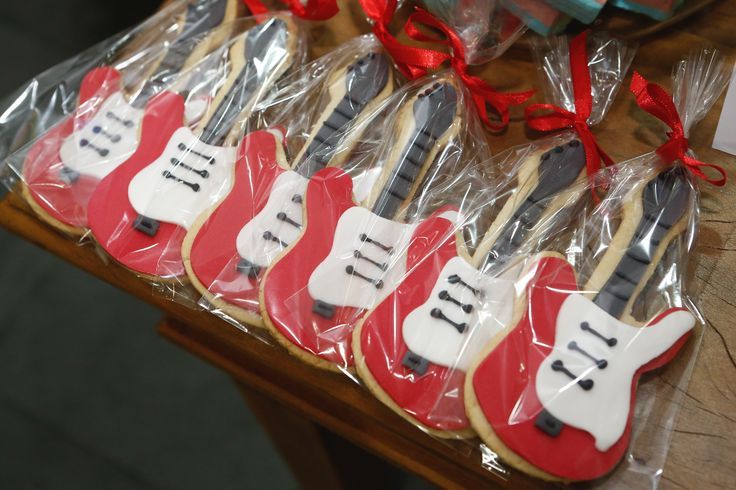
(318, 458)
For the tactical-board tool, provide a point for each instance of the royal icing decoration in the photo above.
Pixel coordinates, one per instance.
(367, 260)
(567, 409)
(105, 141)
(185, 180)
(464, 311)
(586, 380)
(277, 225)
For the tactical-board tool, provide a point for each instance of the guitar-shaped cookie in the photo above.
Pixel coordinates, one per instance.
(62, 169)
(263, 212)
(140, 212)
(555, 395)
(349, 257)
(414, 347)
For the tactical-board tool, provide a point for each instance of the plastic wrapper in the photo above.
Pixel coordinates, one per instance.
(587, 380)
(137, 191)
(486, 27)
(413, 349)
(359, 221)
(158, 47)
(320, 117)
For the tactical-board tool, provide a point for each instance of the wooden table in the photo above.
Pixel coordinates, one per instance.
(296, 403)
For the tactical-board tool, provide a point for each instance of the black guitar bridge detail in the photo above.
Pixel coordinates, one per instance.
(248, 268)
(415, 362)
(323, 309)
(68, 175)
(548, 423)
(146, 225)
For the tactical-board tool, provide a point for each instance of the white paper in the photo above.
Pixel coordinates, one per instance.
(725, 138)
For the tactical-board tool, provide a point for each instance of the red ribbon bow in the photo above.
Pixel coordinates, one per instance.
(483, 93)
(657, 102)
(413, 62)
(313, 10)
(558, 118)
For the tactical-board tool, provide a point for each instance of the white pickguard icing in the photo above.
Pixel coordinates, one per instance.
(604, 409)
(439, 342)
(195, 109)
(331, 283)
(113, 129)
(155, 196)
(250, 242)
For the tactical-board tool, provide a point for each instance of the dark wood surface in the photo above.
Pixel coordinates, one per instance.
(703, 451)
(325, 398)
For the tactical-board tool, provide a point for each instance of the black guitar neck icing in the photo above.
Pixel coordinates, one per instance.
(558, 170)
(201, 16)
(434, 112)
(265, 49)
(664, 201)
(364, 80)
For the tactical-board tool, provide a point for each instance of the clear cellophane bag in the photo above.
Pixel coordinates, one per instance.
(322, 115)
(586, 382)
(413, 348)
(134, 166)
(486, 27)
(53, 95)
(356, 219)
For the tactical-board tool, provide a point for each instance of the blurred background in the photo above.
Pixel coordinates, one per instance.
(90, 396)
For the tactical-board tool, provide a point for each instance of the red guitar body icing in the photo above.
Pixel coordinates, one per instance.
(67, 203)
(510, 403)
(214, 256)
(111, 215)
(435, 398)
(287, 301)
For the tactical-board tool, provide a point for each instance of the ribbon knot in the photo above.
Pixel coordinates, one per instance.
(674, 148)
(556, 118)
(657, 102)
(413, 62)
(484, 95)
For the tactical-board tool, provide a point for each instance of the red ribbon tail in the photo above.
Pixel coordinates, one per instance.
(696, 167)
(656, 101)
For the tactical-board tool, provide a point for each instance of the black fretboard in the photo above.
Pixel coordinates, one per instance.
(558, 169)
(665, 199)
(399, 184)
(201, 16)
(260, 45)
(325, 143)
(434, 112)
